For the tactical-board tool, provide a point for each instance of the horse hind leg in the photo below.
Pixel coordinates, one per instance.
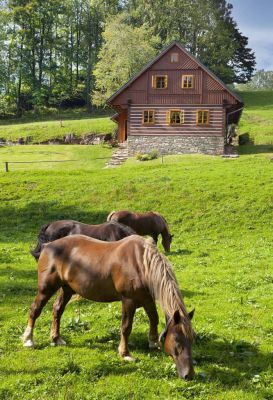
(151, 311)
(58, 309)
(35, 310)
(128, 312)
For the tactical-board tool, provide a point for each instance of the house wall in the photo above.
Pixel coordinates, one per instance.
(176, 144)
(189, 127)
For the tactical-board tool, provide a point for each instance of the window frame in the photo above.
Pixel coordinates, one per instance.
(153, 114)
(197, 118)
(154, 78)
(174, 58)
(182, 113)
(187, 76)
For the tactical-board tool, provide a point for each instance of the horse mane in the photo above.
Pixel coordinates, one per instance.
(42, 239)
(110, 215)
(163, 285)
(163, 220)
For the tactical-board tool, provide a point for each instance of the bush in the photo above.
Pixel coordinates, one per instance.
(146, 157)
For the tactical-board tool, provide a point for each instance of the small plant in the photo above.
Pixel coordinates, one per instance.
(146, 157)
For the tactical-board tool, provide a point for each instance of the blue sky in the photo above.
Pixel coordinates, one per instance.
(255, 20)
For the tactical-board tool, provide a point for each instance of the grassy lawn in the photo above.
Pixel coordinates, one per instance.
(41, 131)
(44, 157)
(220, 212)
(257, 119)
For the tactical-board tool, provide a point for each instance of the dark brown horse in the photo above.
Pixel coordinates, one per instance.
(149, 223)
(131, 271)
(108, 232)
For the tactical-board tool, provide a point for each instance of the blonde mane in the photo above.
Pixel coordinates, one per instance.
(162, 283)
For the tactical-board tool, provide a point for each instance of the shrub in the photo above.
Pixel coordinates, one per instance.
(146, 157)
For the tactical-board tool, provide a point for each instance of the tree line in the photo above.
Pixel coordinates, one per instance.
(61, 53)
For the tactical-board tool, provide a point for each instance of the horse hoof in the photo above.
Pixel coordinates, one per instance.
(154, 345)
(58, 342)
(28, 343)
(128, 358)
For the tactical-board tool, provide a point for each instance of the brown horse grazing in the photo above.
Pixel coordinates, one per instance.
(149, 223)
(131, 271)
(108, 232)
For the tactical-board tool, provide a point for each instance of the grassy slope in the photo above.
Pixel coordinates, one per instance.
(41, 131)
(220, 212)
(257, 119)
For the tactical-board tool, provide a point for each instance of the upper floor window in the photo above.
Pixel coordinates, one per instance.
(160, 81)
(174, 57)
(202, 117)
(187, 81)
(175, 117)
(148, 117)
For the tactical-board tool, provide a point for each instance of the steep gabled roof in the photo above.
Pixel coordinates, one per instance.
(164, 51)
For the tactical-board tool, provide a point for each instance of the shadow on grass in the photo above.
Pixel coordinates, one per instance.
(179, 252)
(255, 149)
(31, 218)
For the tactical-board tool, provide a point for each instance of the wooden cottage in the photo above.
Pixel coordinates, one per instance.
(175, 105)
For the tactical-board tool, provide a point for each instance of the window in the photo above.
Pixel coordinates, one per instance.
(187, 81)
(174, 57)
(148, 117)
(175, 117)
(202, 117)
(160, 81)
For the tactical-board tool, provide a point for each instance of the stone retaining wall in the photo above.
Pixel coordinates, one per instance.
(176, 144)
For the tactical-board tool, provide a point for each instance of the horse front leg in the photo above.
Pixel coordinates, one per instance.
(58, 309)
(151, 311)
(155, 237)
(128, 312)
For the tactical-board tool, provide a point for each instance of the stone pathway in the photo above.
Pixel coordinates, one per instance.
(119, 156)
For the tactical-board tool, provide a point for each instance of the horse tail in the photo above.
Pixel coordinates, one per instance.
(110, 216)
(42, 239)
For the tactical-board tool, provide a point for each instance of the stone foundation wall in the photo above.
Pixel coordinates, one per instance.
(176, 144)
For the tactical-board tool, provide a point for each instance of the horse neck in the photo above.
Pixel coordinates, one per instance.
(163, 285)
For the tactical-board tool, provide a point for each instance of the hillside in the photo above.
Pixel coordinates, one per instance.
(257, 119)
(54, 127)
(220, 213)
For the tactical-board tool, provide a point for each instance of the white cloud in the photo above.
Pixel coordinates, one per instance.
(261, 41)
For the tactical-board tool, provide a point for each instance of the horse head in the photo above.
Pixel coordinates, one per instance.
(166, 241)
(178, 345)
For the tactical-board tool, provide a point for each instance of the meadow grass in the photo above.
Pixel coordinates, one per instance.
(220, 212)
(257, 118)
(42, 131)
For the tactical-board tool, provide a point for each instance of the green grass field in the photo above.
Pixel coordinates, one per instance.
(220, 212)
(46, 130)
(257, 119)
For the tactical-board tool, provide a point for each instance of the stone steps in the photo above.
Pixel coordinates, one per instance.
(118, 157)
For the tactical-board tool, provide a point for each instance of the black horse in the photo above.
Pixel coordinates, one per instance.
(107, 232)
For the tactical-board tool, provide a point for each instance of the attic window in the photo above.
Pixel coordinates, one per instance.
(160, 81)
(175, 117)
(187, 81)
(174, 57)
(202, 117)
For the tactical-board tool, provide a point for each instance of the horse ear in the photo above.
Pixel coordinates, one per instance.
(172, 236)
(177, 317)
(191, 314)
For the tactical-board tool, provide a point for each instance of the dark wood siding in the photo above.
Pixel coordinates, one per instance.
(161, 126)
